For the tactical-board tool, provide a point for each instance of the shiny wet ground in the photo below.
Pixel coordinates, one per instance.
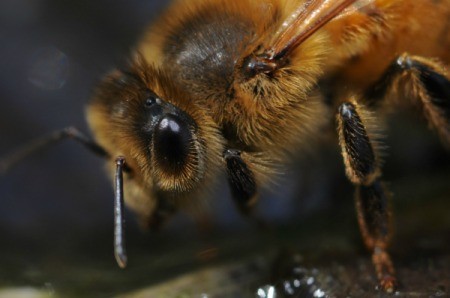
(320, 256)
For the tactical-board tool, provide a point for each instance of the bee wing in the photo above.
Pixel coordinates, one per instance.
(309, 17)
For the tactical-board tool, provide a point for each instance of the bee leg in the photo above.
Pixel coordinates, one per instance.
(374, 218)
(372, 201)
(424, 83)
(241, 181)
(46, 141)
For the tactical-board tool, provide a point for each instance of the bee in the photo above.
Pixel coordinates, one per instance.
(234, 86)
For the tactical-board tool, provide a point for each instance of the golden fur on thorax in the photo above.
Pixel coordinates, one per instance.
(355, 48)
(262, 111)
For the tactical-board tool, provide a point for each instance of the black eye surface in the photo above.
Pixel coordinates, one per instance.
(172, 142)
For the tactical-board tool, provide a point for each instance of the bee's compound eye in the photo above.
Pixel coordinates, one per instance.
(172, 142)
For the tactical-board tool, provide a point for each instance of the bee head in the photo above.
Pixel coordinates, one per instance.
(170, 144)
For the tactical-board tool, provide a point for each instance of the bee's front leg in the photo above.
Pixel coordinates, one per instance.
(372, 201)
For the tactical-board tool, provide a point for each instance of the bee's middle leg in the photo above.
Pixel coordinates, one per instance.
(372, 201)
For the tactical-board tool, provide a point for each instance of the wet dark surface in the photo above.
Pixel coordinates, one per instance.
(56, 207)
(329, 258)
(334, 266)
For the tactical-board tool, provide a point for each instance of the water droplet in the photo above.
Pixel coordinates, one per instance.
(319, 293)
(49, 68)
(288, 288)
(267, 291)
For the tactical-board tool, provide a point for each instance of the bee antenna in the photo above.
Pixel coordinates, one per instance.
(46, 141)
(119, 232)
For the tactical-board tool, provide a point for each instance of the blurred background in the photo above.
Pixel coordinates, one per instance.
(52, 55)
(56, 207)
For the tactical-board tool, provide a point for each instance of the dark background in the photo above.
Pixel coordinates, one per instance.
(56, 206)
(80, 40)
